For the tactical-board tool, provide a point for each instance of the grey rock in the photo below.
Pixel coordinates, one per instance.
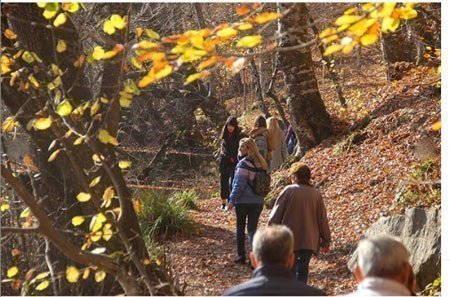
(420, 232)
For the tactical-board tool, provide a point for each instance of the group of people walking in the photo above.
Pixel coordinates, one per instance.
(300, 206)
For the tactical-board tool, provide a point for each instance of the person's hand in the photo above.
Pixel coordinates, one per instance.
(326, 249)
(230, 206)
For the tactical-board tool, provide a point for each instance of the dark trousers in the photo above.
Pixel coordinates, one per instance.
(244, 212)
(300, 269)
(226, 181)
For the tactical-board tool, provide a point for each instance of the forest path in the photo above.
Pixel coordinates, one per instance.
(204, 261)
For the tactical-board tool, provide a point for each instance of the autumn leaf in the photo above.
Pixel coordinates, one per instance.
(72, 274)
(10, 34)
(333, 49)
(242, 10)
(98, 53)
(64, 108)
(53, 155)
(12, 272)
(244, 27)
(106, 138)
(43, 123)
(436, 126)
(108, 195)
(8, 124)
(95, 181)
(194, 77)
(86, 273)
(368, 39)
(42, 286)
(124, 164)
(60, 20)
(347, 19)
(71, 7)
(108, 27)
(249, 41)
(77, 220)
(83, 197)
(28, 57)
(266, 17)
(152, 34)
(61, 46)
(227, 32)
(100, 276)
(118, 22)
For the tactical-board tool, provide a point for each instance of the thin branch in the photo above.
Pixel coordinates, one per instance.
(18, 230)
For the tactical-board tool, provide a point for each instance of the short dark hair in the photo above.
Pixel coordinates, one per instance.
(232, 120)
(273, 244)
(260, 122)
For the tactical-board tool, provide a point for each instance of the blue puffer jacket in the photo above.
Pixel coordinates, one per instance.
(241, 192)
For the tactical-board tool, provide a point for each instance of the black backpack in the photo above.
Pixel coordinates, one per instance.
(261, 183)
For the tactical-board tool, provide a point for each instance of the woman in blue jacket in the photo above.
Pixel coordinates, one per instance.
(247, 204)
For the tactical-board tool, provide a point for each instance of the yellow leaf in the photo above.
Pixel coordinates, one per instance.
(42, 286)
(95, 181)
(40, 276)
(86, 273)
(83, 197)
(109, 193)
(95, 236)
(436, 126)
(107, 234)
(152, 34)
(71, 7)
(242, 10)
(41, 4)
(145, 81)
(118, 22)
(72, 274)
(97, 158)
(349, 47)
(104, 100)
(368, 39)
(109, 54)
(64, 108)
(4, 206)
(195, 76)
(124, 164)
(95, 107)
(10, 34)
(54, 84)
(60, 20)
(139, 31)
(347, 19)
(33, 81)
(8, 124)
(333, 49)
(27, 57)
(105, 138)
(330, 38)
(137, 205)
(244, 27)
(227, 32)
(350, 11)
(124, 102)
(389, 24)
(208, 63)
(135, 63)
(49, 14)
(78, 220)
(98, 53)
(158, 262)
(388, 8)
(6, 63)
(78, 141)
(266, 16)
(95, 224)
(367, 7)
(53, 155)
(100, 276)
(25, 213)
(327, 32)
(166, 71)
(61, 46)
(154, 56)
(407, 14)
(79, 62)
(249, 41)
(43, 123)
(108, 27)
(12, 272)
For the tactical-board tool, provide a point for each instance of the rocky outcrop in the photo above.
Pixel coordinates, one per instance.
(420, 232)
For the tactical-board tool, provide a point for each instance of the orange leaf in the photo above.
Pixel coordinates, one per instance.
(208, 63)
(242, 10)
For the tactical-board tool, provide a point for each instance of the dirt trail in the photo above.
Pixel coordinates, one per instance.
(204, 261)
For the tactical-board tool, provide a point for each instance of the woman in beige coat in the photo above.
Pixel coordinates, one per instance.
(300, 207)
(276, 135)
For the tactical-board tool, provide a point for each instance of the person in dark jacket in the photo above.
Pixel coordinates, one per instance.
(231, 134)
(273, 257)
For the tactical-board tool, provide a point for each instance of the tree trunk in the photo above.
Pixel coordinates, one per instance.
(258, 90)
(309, 118)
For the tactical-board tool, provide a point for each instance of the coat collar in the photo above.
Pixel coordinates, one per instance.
(272, 270)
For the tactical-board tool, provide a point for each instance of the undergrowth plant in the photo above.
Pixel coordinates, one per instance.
(187, 199)
(162, 216)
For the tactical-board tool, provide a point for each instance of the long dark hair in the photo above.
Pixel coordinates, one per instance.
(232, 120)
(260, 122)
